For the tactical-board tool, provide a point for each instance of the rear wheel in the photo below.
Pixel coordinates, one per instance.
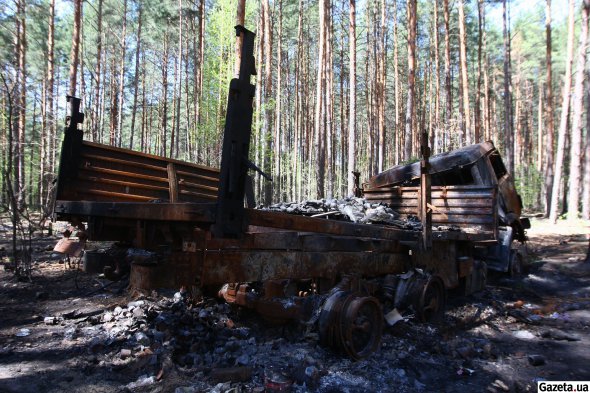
(432, 302)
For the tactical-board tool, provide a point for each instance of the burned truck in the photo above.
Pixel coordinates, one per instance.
(343, 277)
(470, 166)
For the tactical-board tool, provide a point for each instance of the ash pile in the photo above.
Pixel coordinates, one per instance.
(167, 343)
(352, 209)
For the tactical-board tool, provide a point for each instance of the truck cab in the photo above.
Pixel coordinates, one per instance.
(474, 165)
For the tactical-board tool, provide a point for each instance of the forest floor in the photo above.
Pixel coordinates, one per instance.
(63, 331)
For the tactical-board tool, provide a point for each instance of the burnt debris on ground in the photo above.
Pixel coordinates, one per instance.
(99, 338)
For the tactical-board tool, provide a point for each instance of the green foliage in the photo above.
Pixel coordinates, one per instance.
(529, 182)
(160, 29)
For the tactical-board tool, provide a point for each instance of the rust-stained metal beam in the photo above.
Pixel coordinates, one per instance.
(199, 213)
(251, 266)
(289, 240)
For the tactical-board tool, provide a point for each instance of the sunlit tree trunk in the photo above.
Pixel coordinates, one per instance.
(267, 124)
(75, 46)
(278, 110)
(240, 16)
(50, 118)
(567, 81)
(97, 88)
(448, 90)
(320, 90)
(586, 182)
(352, 96)
(549, 116)
(477, 126)
(578, 107)
(136, 77)
(465, 115)
(164, 98)
(397, 132)
(381, 84)
(410, 109)
(436, 137)
(508, 121)
(22, 104)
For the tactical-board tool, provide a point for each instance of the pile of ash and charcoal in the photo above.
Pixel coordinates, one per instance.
(351, 209)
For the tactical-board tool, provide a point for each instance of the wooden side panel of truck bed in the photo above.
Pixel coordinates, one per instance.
(104, 173)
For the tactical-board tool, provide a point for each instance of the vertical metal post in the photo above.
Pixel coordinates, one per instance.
(69, 158)
(425, 194)
(229, 218)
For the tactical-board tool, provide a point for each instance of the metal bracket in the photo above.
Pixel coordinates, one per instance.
(70, 152)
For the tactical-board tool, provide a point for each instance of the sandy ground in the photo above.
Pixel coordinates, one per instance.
(485, 343)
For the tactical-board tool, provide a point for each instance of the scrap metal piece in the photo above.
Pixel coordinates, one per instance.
(71, 247)
(351, 323)
(425, 194)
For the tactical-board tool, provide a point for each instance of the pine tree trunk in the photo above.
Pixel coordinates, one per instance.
(342, 185)
(278, 181)
(240, 16)
(42, 145)
(32, 152)
(352, 96)
(436, 132)
(549, 116)
(258, 105)
(114, 103)
(398, 134)
(318, 116)
(267, 97)
(465, 115)
(562, 133)
(136, 77)
(508, 121)
(121, 91)
(448, 90)
(540, 131)
(297, 152)
(164, 98)
(75, 45)
(178, 79)
(22, 105)
(49, 124)
(586, 182)
(97, 112)
(144, 115)
(477, 126)
(329, 99)
(410, 109)
(381, 94)
(578, 108)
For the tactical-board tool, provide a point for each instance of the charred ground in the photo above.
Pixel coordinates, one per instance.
(64, 331)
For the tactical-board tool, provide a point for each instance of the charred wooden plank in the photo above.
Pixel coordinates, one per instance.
(127, 154)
